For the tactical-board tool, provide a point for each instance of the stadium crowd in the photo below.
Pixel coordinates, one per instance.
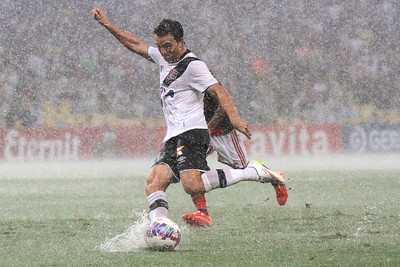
(283, 61)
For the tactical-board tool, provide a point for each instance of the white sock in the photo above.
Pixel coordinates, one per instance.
(158, 205)
(223, 178)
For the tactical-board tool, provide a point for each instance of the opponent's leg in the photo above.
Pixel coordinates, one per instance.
(201, 216)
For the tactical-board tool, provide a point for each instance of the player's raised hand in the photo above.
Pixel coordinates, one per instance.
(100, 16)
(242, 126)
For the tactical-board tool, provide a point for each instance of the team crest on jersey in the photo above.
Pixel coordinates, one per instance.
(173, 74)
(165, 92)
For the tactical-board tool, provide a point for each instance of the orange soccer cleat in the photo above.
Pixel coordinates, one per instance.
(277, 179)
(281, 191)
(198, 218)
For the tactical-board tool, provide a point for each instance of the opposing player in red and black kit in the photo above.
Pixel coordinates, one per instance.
(231, 151)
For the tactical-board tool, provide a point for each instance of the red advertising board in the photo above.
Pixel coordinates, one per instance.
(47, 144)
(295, 140)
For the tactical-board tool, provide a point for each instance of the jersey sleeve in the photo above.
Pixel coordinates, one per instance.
(200, 76)
(155, 55)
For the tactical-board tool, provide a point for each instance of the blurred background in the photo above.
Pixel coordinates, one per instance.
(284, 62)
(312, 77)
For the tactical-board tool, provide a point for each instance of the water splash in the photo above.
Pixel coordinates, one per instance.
(130, 240)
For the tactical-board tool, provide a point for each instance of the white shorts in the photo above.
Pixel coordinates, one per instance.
(230, 149)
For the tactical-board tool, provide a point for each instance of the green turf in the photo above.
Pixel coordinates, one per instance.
(332, 219)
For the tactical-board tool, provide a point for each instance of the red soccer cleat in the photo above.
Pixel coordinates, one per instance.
(277, 179)
(198, 218)
(281, 191)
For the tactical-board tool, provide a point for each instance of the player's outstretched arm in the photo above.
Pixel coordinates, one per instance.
(227, 106)
(129, 40)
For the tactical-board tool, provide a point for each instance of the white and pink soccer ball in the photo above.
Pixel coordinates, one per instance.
(163, 235)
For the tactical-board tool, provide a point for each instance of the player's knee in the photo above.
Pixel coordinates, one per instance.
(149, 185)
(189, 190)
(154, 184)
(158, 179)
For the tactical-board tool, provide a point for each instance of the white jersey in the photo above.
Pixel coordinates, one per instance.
(182, 101)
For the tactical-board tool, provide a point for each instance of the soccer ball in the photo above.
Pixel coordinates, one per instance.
(163, 234)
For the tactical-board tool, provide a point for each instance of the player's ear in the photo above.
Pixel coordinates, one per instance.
(181, 41)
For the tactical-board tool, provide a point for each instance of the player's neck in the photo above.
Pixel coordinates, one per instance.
(187, 51)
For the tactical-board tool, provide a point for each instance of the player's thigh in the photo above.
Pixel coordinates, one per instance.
(167, 156)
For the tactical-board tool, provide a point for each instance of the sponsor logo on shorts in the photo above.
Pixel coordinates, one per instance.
(179, 151)
(179, 154)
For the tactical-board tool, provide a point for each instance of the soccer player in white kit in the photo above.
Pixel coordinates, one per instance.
(183, 81)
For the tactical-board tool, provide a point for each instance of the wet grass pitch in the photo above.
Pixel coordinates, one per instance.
(332, 218)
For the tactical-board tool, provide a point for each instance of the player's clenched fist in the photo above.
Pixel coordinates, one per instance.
(100, 16)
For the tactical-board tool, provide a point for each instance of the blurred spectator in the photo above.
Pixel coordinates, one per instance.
(288, 61)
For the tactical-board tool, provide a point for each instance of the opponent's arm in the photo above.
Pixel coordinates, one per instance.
(216, 119)
(226, 105)
(129, 40)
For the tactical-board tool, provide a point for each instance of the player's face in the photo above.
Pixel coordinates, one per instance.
(170, 49)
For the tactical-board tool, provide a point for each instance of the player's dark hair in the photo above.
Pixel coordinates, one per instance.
(167, 26)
